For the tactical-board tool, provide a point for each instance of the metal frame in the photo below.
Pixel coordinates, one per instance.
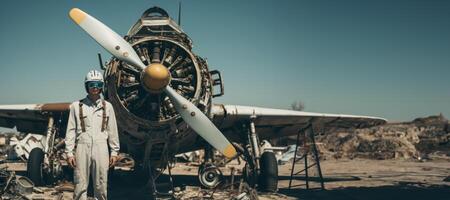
(307, 147)
(156, 194)
(153, 185)
(216, 78)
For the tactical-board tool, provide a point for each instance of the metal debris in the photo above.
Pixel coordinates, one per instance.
(13, 186)
(124, 163)
(243, 192)
(23, 185)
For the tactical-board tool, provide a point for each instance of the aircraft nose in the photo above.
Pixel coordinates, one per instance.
(155, 78)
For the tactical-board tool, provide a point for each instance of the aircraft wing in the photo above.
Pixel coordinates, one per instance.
(271, 123)
(31, 117)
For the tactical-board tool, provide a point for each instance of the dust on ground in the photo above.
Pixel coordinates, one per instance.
(409, 160)
(344, 179)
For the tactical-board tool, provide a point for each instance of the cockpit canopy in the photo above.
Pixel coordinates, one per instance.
(154, 21)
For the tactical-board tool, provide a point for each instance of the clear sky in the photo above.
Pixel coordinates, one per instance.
(382, 58)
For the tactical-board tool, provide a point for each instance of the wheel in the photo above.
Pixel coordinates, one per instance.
(268, 176)
(34, 166)
(210, 176)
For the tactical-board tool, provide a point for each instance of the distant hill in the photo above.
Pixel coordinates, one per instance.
(422, 138)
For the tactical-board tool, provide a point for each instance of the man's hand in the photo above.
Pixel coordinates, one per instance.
(112, 161)
(71, 161)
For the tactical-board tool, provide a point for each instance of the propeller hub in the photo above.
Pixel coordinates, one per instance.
(155, 78)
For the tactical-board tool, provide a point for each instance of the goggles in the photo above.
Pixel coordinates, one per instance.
(95, 84)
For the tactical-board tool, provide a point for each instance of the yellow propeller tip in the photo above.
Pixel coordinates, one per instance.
(77, 15)
(229, 151)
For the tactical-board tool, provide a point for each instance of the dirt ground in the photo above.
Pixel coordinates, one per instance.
(344, 179)
(375, 179)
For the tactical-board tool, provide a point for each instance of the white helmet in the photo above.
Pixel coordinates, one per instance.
(93, 75)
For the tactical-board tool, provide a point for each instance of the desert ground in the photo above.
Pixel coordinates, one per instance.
(357, 179)
(344, 179)
(409, 160)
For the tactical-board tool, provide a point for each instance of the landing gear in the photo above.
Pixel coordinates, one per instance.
(268, 172)
(35, 166)
(210, 176)
(266, 176)
(43, 166)
(261, 168)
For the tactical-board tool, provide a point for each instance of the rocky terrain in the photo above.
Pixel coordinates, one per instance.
(422, 138)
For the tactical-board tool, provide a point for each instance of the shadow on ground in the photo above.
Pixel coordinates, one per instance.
(133, 189)
(409, 191)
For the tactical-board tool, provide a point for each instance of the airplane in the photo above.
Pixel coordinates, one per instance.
(162, 93)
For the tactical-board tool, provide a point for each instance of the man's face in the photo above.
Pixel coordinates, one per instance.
(94, 87)
(94, 91)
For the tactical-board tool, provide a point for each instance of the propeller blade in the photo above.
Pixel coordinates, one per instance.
(106, 37)
(121, 49)
(200, 123)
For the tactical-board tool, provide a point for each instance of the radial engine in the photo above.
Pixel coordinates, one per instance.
(145, 115)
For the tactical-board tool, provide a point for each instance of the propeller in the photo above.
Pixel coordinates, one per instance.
(155, 79)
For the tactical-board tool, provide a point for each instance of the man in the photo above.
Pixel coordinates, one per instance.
(92, 127)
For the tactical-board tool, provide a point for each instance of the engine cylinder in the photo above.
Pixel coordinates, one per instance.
(189, 76)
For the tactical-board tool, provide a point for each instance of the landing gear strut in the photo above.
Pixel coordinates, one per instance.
(43, 166)
(261, 168)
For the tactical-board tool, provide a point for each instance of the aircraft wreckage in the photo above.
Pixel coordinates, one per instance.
(163, 93)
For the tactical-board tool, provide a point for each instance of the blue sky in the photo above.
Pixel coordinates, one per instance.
(382, 58)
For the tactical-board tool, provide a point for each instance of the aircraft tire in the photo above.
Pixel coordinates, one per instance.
(268, 176)
(34, 166)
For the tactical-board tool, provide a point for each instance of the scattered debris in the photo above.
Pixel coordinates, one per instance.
(65, 187)
(242, 192)
(15, 186)
(24, 185)
(124, 163)
(288, 155)
(193, 156)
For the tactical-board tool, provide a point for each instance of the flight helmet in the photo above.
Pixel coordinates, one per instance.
(93, 79)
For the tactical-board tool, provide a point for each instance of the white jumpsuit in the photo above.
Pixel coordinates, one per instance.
(91, 154)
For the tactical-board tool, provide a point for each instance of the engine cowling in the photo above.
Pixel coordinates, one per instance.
(157, 39)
